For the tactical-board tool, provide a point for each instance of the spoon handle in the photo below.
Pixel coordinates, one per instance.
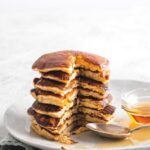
(140, 127)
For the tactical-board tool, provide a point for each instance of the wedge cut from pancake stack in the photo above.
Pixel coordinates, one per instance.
(72, 91)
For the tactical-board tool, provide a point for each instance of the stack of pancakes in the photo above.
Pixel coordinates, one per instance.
(72, 91)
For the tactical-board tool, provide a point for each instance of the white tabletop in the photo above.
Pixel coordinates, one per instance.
(117, 30)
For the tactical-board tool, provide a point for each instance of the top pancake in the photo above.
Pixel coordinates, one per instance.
(66, 61)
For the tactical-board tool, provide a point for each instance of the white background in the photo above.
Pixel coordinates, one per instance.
(116, 29)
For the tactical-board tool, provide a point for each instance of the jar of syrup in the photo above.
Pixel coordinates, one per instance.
(137, 105)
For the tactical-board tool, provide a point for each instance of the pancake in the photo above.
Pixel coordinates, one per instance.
(54, 86)
(60, 76)
(93, 85)
(60, 129)
(89, 93)
(98, 76)
(67, 60)
(52, 110)
(46, 107)
(89, 61)
(47, 97)
(49, 122)
(105, 113)
(48, 135)
(61, 61)
(91, 102)
(88, 118)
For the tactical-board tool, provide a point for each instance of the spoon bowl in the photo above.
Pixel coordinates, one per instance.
(112, 130)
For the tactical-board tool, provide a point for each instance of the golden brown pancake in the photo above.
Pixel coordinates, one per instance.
(51, 136)
(87, 118)
(60, 76)
(47, 97)
(55, 61)
(67, 60)
(54, 86)
(60, 129)
(95, 103)
(93, 85)
(98, 76)
(105, 113)
(89, 61)
(49, 122)
(52, 110)
(89, 93)
(45, 107)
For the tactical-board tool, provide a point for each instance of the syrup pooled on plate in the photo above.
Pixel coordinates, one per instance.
(139, 113)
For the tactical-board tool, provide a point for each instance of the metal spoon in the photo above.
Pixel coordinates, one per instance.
(112, 130)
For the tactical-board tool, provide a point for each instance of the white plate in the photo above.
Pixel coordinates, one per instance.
(17, 123)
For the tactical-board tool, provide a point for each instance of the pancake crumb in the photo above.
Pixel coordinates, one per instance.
(66, 140)
(62, 148)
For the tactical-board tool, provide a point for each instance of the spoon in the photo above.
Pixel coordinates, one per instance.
(112, 130)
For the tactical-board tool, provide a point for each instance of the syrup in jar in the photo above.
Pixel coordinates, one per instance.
(139, 112)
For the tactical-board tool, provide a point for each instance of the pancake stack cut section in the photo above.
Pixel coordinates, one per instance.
(71, 92)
